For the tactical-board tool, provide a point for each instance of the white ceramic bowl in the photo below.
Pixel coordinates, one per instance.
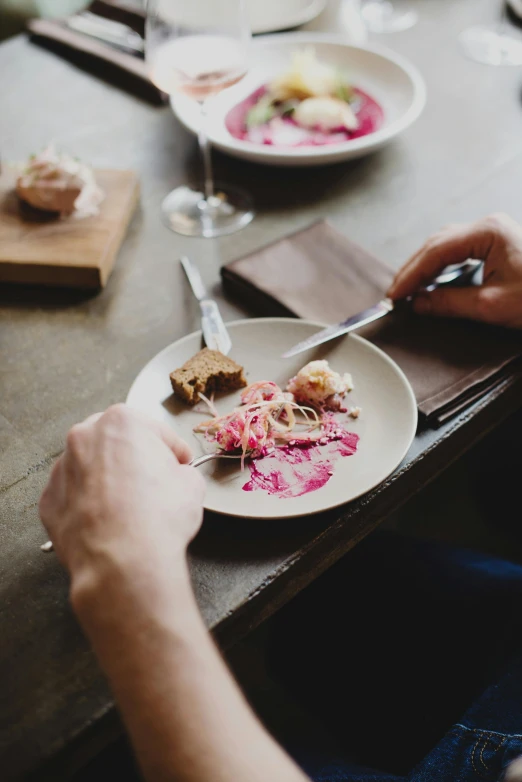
(389, 78)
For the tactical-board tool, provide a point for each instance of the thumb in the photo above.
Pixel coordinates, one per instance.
(455, 303)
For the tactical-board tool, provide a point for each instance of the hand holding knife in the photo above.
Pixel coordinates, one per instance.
(464, 272)
(214, 331)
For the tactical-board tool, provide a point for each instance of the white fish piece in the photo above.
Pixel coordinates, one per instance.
(326, 114)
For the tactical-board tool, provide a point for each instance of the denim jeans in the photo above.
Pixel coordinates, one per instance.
(408, 657)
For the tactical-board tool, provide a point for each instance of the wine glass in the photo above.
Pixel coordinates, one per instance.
(493, 44)
(199, 48)
(385, 16)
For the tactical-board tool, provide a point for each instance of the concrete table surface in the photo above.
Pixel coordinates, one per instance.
(65, 355)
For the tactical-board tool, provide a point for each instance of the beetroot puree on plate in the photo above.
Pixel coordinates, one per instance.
(292, 471)
(286, 132)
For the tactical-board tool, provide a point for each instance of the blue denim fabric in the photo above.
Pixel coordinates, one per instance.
(409, 654)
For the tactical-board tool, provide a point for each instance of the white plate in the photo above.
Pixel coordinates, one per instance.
(389, 78)
(268, 16)
(386, 426)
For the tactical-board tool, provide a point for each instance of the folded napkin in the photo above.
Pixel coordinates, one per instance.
(126, 70)
(319, 274)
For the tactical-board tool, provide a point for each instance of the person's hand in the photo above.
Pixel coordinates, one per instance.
(513, 772)
(121, 507)
(496, 240)
(122, 499)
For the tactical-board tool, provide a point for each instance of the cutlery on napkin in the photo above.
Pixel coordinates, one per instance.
(321, 275)
(214, 331)
(107, 30)
(107, 40)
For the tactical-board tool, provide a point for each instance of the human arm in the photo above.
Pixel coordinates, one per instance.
(496, 240)
(121, 507)
(513, 772)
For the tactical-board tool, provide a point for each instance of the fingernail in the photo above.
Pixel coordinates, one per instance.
(393, 287)
(392, 290)
(422, 304)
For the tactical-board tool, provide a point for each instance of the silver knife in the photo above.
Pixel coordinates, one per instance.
(355, 322)
(107, 30)
(214, 331)
(462, 271)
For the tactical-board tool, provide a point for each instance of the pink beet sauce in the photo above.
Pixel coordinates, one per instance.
(294, 470)
(284, 132)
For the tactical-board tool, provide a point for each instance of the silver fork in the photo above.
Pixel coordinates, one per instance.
(208, 457)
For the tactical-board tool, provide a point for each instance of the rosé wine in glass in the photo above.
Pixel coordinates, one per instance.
(198, 48)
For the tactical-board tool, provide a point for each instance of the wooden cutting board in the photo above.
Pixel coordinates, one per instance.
(36, 248)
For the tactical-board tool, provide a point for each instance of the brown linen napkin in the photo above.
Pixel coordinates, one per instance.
(319, 274)
(123, 69)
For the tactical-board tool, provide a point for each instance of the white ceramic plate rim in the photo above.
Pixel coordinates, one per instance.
(328, 506)
(313, 9)
(369, 141)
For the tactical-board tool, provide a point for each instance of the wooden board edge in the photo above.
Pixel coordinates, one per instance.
(109, 258)
(58, 276)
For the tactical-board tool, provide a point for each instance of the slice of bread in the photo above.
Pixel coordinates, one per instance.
(205, 372)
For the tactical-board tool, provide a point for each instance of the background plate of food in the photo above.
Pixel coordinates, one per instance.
(311, 99)
(267, 16)
(325, 432)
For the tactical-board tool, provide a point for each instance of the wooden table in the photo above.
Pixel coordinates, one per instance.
(65, 355)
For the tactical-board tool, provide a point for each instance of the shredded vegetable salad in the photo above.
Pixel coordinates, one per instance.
(266, 417)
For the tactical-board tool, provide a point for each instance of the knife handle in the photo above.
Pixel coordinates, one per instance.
(214, 330)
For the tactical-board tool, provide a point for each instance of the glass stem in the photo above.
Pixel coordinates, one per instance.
(206, 152)
(503, 26)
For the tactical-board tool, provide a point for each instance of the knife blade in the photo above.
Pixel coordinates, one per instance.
(461, 273)
(331, 332)
(214, 330)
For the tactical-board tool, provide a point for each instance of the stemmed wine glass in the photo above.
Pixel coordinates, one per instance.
(199, 48)
(493, 44)
(385, 16)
